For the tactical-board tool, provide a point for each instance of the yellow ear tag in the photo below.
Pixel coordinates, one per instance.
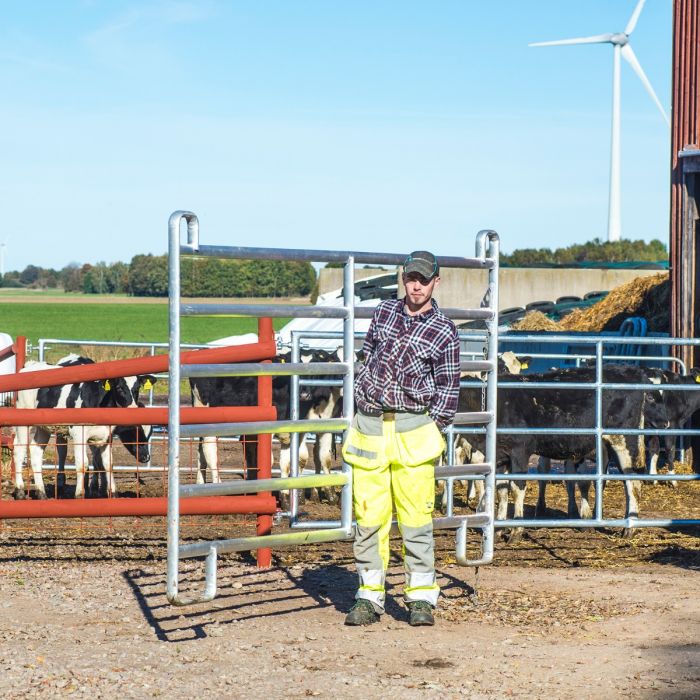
(524, 365)
(697, 378)
(283, 360)
(147, 384)
(107, 385)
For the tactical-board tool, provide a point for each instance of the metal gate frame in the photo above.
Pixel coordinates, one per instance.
(487, 258)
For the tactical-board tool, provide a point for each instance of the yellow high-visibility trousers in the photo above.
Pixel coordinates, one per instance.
(393, 460)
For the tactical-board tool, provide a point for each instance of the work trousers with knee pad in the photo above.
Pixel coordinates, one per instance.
(393, 458)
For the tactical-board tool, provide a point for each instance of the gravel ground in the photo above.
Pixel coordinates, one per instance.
(84, 614)
(561, 614)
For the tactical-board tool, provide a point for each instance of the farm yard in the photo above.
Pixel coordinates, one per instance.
(562, 613)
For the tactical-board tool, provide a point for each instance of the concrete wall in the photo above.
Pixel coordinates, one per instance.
(330, 278)
(520, 286)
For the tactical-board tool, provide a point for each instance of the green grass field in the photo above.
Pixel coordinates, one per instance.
(113, 321)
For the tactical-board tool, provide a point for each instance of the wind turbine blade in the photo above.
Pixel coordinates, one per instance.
(630, 57)
(597, 39)
(635, 16)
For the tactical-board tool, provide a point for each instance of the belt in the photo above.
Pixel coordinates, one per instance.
(389, 415)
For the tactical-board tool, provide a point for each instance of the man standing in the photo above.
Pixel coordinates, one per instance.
(406, 393)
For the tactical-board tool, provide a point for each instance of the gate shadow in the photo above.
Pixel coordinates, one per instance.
(246, 594)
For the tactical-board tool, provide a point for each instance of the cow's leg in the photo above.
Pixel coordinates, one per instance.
(653, 447)
(544, 466)
(633, 489)
(570, 467)
(285, 466)
(476, 486)
(61, 457)
(324, 451)
(107, 472)
(20, 452)
(81, 459)
(207, 456)
(37, 447)
(584, 488)
(518, 465)
(670, 444)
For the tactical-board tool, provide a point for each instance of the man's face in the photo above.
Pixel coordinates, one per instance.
(418, 288)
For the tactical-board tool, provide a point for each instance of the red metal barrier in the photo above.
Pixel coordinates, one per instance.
(124, 507)
(264, 522)
(137, 365)
(263, 505)
(133, 416)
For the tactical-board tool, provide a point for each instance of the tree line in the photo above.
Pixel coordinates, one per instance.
(593, 251)
(147, 276)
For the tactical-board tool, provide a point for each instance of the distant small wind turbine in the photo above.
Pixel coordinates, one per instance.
(621, 46)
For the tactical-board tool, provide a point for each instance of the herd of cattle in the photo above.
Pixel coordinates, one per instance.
(520, 406)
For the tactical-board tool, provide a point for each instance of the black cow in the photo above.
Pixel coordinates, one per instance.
(314, 402)
(562, 407)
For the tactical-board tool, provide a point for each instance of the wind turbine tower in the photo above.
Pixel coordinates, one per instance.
(621, 47)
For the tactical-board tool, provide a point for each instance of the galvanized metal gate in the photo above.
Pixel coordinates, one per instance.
(486, 259)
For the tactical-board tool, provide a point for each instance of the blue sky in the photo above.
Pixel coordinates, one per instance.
(368, 125)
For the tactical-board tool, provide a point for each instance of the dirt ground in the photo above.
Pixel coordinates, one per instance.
(561, 614)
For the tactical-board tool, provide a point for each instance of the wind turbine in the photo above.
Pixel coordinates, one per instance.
(621, 47)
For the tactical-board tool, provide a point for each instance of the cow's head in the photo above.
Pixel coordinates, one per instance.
(136, 439)
(123, 392)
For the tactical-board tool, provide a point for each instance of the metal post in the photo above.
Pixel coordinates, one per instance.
(264, 451)
(348, 384)
(174, 392)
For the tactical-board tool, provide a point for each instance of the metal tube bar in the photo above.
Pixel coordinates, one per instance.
(235, 487)
(134, 507)
(174, 360)
(294, 437)
(610, 522)
(346, 494)
(360, 257)
(132, 416)
(330, 425)
(593, 476)
(244, 544)
(277, 369)
(135, 365)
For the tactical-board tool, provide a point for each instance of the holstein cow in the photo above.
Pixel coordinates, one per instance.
(464, 452)
(117, 392)
(663, 409)
(562, 407)
(668, 409)
(314, 403)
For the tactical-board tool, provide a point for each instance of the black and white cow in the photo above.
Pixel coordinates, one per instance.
(31, 441)
(314, 403)
(562, 407)
(669, 409)
(663, 409)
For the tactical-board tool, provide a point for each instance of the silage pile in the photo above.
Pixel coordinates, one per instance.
(648, 297)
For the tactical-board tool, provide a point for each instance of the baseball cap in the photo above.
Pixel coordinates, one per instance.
(422, 262)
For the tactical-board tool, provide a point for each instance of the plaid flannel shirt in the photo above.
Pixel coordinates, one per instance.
(411, 364)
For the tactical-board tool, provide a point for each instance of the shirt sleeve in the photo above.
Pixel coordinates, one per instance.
(443, 406)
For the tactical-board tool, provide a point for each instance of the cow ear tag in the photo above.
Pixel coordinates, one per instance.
(697, 378)
(524, 365)
(283, 361)
(107, 385)
(147, 384)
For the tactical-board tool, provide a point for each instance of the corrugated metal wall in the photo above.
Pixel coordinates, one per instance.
(685, 136)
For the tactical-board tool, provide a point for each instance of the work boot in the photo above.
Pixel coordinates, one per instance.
(421, 613)
(362, 613)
